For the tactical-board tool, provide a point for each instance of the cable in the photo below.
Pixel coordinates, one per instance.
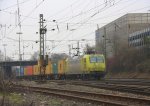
(70, 40)
(85, 12)
(14, 13)
(121, 13)
(111, 15)
(14, 5)
(63, 9)
(12, 39)
(66, 44)
(81, 13)
(117, 11)
(102, 9)
(76, 23)
(27, 16)
(93, 16)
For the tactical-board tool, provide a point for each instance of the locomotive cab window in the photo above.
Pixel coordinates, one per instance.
(92, 59)
(96, 59)
(100, 59)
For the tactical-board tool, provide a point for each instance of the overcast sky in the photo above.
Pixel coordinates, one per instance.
(76, 20)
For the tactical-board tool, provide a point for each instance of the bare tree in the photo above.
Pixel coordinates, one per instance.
(2, 86)
(5, 86)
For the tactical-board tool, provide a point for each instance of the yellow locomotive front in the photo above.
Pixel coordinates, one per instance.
(93, 65)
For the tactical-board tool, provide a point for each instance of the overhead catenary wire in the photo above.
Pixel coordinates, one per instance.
(81, 13)
(116, 12)
(14, 5)
(14, 13)
(26, 17)
(92, 17)
(97, 13)
(111, 15)
(64, 45)
(62, 10)
(78, 23)
(134, 1)
(106, 16)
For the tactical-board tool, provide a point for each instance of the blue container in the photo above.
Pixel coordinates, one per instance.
(17, 72)
(55, 68)
(21, 71)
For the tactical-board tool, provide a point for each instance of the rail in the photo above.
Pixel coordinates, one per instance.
(96, 98)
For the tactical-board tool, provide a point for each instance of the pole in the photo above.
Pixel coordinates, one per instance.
(41, 45)
(19, 48)
(5, 50)
(42, 31)
(4, 57)
(19, 24)
(78, 49)
(20, 57)
(69, 50)
(105, 51)
(23, 51)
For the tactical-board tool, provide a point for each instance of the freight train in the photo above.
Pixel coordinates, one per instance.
(90, 66)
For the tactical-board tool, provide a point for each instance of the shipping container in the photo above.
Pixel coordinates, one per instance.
(55, 67)
(21, 71)
(36, 70)
(17, 71)
(25, 71)
(39, 62)
(29, 70)
(48, 68)
(61, 66)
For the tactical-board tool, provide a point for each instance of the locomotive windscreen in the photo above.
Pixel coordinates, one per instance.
(98, 59)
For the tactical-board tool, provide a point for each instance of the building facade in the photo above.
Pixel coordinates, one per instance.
(111, 37)
(140, 38)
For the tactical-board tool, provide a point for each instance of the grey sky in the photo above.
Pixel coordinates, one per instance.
(82, 17)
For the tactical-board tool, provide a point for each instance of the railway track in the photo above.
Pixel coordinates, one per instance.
(141, 82)
(90, 97)
(122, 86)
(141, 90)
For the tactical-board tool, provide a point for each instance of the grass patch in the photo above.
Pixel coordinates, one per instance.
(16, 98)
(1, 94)
(55, 102)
